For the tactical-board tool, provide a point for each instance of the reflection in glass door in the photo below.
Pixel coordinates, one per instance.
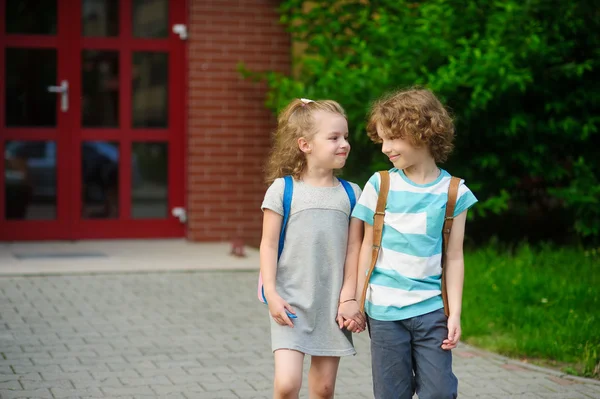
(92, 119)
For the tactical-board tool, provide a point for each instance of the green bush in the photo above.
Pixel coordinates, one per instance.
(521, 78)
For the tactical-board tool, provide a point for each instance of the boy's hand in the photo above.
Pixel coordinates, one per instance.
(350, 316)
(353, 326)
(277, 307)
(454, 332)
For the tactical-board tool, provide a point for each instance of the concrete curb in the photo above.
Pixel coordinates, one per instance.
(121, 272)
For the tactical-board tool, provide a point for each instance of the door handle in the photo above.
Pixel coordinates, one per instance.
(63, 90)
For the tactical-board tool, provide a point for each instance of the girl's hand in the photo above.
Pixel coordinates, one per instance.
(454, 332)
(277, 307)
(350, 316)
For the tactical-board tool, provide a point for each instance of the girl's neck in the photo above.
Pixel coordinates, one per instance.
(318, 177)
(423, 173)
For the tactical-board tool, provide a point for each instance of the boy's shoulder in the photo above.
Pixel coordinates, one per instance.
(375, 179)
(399, 182)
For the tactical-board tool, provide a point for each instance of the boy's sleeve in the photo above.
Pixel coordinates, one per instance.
(365, 207)
(274, 197)
(465, 199)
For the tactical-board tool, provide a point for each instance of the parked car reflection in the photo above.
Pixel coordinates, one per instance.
(30, 179)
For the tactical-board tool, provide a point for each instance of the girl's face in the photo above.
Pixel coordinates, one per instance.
(329, 147)
(401, 152)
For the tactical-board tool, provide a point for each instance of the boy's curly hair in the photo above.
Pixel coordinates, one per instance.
(294, 122)
(415, 115)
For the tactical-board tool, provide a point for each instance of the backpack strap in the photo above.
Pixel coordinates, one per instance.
(448, 221)
(288, 192)
(350, 192)
(384, 187)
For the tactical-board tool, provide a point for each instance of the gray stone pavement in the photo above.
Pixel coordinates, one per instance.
(194, 334)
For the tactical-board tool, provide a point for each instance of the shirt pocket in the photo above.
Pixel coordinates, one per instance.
(435, 221)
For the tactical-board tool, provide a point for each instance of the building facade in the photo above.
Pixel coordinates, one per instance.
(129, 119)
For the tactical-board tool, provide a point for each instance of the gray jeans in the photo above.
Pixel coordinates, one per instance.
(407, 356)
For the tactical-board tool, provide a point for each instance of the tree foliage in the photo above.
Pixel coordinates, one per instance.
(520, 77)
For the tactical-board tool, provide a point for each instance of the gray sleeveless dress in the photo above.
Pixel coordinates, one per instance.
(310, 271)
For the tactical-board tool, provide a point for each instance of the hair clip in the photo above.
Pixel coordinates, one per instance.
(306, 101)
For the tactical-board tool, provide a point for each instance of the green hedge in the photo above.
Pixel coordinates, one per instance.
(520, 77)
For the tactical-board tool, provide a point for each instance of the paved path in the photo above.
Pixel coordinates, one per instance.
(119, 256)
(187, 335)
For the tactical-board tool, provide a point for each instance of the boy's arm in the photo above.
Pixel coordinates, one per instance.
(269, 246)
(455, 272)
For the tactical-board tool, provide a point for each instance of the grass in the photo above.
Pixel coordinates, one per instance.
(540, 305)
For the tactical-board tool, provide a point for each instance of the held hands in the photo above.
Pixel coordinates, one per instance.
(277, 308)
(350, 316)
(454, 332)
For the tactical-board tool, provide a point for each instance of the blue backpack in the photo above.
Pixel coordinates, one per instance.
(288, 191)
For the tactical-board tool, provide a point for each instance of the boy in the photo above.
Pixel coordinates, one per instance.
(411, 337)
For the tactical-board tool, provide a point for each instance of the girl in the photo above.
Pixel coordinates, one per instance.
(310, 284)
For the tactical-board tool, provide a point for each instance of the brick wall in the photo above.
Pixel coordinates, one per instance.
(228, 127)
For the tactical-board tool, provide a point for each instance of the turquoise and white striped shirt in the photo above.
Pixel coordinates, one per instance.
(406, 281)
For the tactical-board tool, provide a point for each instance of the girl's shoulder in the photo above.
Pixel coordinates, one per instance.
(356, 188)
(277, 185)
(274, 195)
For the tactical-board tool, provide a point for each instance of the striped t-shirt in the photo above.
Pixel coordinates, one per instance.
(406, 281)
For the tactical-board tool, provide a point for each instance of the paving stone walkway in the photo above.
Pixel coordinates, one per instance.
(188, 335)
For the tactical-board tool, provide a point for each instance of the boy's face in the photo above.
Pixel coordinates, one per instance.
(401, 152)
(329, 147)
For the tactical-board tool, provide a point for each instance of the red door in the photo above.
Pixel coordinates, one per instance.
(91, 119)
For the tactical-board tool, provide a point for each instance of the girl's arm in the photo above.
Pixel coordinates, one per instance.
(269, 246)
(350, 267)
(348, 310)
(364, 260)
(455, 272)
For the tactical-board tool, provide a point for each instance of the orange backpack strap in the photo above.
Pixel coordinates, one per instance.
(384, 187)
(448, 221)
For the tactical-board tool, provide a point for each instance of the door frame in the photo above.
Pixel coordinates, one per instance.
(69, 43)
(60, 227)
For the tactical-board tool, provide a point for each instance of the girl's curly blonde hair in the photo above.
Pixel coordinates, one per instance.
(294, 122)
(417, 116)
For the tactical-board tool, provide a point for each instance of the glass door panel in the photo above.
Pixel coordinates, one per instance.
(29, 73)
(100, 180)
(150, 18)
(100, 88)
(150, 94)
(31, 17)
(100, 18)
(149, 180)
